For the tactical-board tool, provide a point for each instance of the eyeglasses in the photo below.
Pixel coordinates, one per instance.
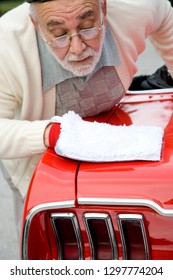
(64, 41)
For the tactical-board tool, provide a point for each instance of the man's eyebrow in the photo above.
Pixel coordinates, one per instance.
(54, 23)
(86, 15)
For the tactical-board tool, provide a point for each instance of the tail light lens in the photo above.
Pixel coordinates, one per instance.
(58, 235)
(67, 235)
(101, 236)
(133, 236)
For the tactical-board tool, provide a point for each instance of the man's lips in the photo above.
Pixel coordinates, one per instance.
(81, 61)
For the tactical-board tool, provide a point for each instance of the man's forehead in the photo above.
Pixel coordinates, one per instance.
(67, 5)
(69, 8)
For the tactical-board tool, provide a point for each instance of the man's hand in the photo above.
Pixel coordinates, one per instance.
(46, 135)
(51, 135)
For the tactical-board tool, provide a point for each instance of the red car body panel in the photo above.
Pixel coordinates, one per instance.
(142, 188)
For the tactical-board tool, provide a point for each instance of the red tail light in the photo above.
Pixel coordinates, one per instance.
(58, 235)
(101, 236)
(68, 236)
(133, 237)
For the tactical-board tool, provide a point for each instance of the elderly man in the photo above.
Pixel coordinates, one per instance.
(61, 55)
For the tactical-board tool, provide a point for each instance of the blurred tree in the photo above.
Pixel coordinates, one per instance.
(6, 5)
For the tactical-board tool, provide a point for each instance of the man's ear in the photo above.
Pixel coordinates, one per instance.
(35, 23)
(104, 9)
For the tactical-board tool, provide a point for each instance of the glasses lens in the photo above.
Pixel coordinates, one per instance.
(61, 42)
(88, 34)
(85, 34)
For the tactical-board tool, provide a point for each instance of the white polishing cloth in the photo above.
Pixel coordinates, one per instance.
(101, 142)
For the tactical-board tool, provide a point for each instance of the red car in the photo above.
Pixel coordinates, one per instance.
(115, 210)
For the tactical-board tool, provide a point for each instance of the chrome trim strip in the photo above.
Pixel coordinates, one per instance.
(153, 91)
(127, 202)
(74, 221)
(106, 218)
(132, 217)
(32, 213)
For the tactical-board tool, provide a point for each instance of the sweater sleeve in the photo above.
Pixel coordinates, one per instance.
(18, 138)
(22, 104)
(132, 22)
(162, 35)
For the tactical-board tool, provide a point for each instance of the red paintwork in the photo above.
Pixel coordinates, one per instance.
(58, 179)
(53, 180)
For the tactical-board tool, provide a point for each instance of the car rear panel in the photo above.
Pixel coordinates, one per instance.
(120, 210)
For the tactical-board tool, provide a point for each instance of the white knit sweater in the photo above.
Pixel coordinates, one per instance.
(24, 109)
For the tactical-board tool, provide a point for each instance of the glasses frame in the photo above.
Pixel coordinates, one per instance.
(69, 36)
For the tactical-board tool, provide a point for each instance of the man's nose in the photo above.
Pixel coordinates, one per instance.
(77, 46)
